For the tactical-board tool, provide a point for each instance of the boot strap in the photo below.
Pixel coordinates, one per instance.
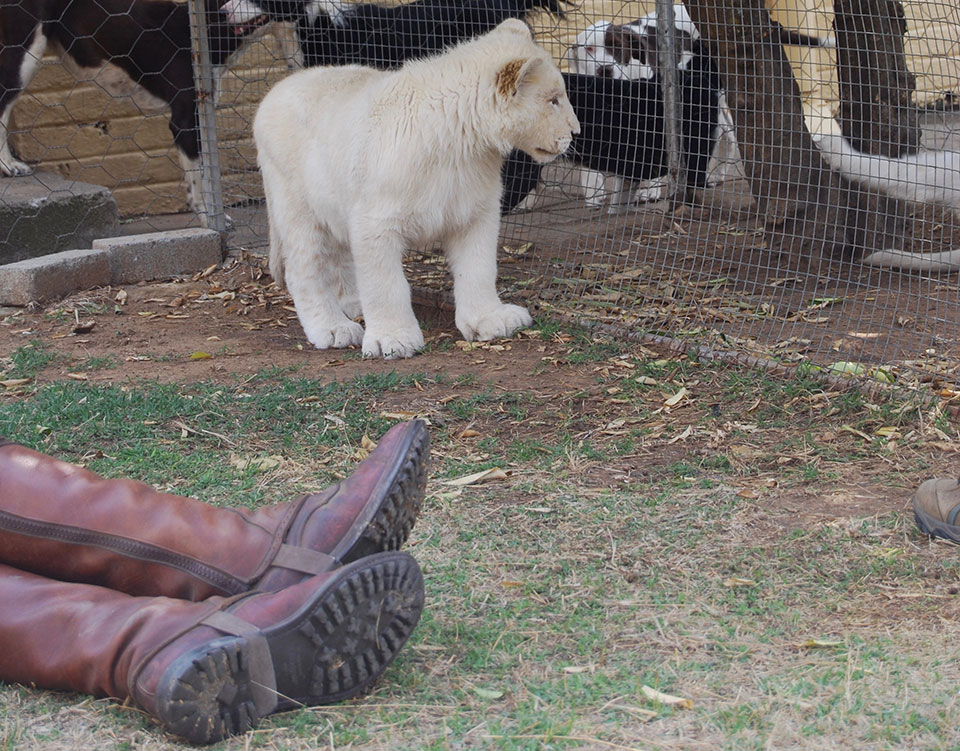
(229, 624)
(304, 560)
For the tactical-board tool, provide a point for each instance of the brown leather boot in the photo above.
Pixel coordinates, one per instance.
(211, 669)
(65, 522)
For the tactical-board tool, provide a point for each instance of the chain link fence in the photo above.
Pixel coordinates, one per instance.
(788, 193)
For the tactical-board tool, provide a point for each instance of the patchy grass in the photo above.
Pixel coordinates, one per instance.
(743, 548)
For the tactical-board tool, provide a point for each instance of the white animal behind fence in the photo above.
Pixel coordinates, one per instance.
(359, 165)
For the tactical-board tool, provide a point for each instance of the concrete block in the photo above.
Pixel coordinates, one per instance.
(159, 255)
(53, 275)
(44, 213)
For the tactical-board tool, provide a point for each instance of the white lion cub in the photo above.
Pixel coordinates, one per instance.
(359, 165)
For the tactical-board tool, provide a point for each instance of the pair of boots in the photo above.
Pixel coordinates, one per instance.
(207, 618)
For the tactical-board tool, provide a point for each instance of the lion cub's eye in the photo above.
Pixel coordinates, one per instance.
(555, 101)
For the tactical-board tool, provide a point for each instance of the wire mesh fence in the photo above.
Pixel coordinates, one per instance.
(775, 182)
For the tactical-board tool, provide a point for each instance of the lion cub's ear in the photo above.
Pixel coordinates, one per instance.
(514, 74)
(516, 26)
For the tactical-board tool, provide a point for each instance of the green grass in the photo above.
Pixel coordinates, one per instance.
(605, 566)
(27, 361)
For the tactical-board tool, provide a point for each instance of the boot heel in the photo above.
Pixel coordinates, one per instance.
(218, 690)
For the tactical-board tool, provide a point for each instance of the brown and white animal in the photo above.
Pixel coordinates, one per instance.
(630, 52)
(135, 48)
(359, 165)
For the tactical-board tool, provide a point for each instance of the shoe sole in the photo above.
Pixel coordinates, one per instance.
(332, 649)
(387, 525)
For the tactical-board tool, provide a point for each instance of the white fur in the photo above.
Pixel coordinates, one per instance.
(10, 165)
(359, 165)
(589, 54)
(925, 177)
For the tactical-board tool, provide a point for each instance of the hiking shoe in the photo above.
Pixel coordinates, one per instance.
(936, 505)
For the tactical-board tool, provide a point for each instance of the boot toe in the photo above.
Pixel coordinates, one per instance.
(394, 511)
(372, 511)
(351, 632)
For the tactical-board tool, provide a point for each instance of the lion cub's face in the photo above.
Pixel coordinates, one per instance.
(544, 122)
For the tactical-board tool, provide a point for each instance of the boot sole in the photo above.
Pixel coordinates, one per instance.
(387, 525)
(332, 649)
(934, 527)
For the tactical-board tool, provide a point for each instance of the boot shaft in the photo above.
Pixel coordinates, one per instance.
(63, 521)
(79, 637)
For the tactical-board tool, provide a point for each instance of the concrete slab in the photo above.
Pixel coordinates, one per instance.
(53, 275)
(44, 213)
(159, 255)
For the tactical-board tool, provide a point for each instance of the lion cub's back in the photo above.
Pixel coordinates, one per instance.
(313, 104)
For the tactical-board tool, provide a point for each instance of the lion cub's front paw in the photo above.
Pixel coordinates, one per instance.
(392, 345)
(344, 334)
(495, 323)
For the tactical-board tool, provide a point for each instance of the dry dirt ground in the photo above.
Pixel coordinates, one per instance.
(232, 322)
(804, 489)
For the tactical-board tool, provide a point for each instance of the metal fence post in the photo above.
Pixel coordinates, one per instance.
(215, 217)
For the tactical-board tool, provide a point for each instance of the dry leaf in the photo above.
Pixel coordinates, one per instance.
(748, 493)
(367, 444)
(575, 669)
(744, 452)
(398, 415)
(860, 433)
(676, 398)
(200, 356)
(734, 581)
(13, 382)
(820, 644)
(468, 433)
(78, 376)
(487, 475)
(668, 699)
(263, 462)
(682, 437)
(83, 327)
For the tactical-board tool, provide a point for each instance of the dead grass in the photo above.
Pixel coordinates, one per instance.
(746, 546)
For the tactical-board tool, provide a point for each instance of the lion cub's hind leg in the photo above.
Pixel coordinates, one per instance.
(311, 258)
(313, 280)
